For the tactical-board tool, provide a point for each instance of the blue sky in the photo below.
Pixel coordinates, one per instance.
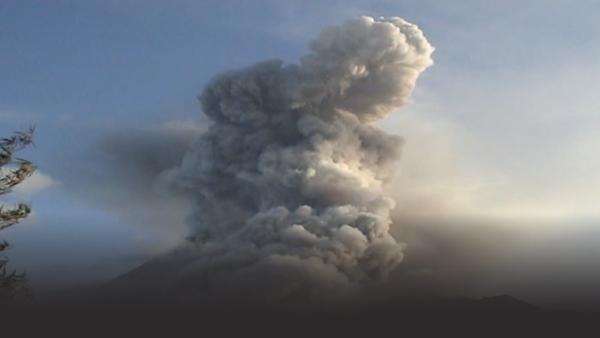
(503, 124)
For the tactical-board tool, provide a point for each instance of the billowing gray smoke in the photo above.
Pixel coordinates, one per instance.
(288, 182)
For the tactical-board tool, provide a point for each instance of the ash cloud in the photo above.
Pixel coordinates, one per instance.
(287, 183)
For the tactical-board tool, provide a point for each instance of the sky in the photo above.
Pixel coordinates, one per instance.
(503, 128)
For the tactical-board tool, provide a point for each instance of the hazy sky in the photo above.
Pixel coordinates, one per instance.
(504, 125)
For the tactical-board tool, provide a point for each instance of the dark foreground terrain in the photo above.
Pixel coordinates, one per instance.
(495, 316)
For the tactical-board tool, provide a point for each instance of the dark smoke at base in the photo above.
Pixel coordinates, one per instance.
(287, 183)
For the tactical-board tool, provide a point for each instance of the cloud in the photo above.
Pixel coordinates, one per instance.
(286, 184)
(490, 160)
(36, 183)
(120, 173)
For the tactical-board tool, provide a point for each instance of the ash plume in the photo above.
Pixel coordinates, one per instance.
(287, 183)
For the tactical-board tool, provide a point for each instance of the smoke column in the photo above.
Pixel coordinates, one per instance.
(288, 181)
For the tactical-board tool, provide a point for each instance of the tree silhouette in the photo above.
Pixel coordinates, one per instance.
(13, 285)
